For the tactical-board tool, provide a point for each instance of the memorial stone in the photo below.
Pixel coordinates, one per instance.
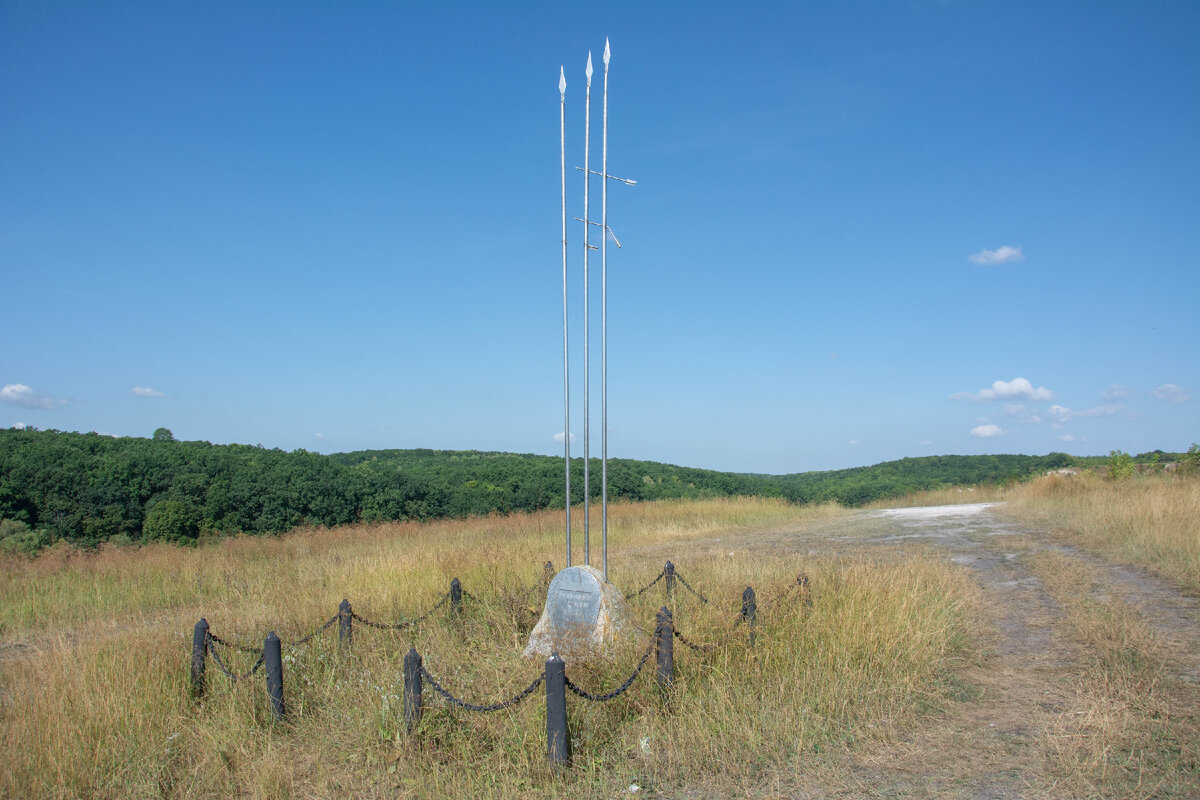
(583, 614)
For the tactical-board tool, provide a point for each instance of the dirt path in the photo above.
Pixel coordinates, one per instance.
(993, 743)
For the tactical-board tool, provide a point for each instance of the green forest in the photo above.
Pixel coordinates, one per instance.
(89, 488)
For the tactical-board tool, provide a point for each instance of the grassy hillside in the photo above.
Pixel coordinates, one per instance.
(88, 488)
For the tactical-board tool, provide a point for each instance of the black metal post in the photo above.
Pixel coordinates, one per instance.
(750, 611)
(669, 575)
(558, 738)
(273, 662)
(412, 688)
(345, 624)
(664, 641)
(199, 655)
(456, 597)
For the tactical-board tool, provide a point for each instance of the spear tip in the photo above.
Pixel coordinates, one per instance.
(562, 81)
(607, 53)
(588, 71)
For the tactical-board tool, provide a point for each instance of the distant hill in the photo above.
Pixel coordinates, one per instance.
(89, 488)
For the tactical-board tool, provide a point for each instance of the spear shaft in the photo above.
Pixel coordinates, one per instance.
(587, 131)
(562, 129)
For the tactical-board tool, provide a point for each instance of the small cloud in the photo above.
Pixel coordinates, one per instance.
(18, 394)
(926, 442)
(986, 431)
(853, 442)
(1169, 392)
(320, 437)
(1001, 255)
(1016, 389)
(20, 426)
(1022, 414)
(145, 391)
(1061, 414)
(558, 437)
(1066, 437)
(1116, 393)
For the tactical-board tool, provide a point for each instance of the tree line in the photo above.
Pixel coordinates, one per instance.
(89, 488)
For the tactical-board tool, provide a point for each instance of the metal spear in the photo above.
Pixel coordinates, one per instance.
(562, 126)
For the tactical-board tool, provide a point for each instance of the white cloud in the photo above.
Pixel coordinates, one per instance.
(1016, 389)
(1066, 437)
(853, 442)
(145, 391)
(1001, 255)
(558, 437)
(19, 426)
(926, 442)
(985, 431)
(18, 394)
(320, 437)
(1061, 414)
(1171, 393)
(1115, 393)
(1022, 414)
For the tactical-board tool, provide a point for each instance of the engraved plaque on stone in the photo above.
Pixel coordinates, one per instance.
(573, 600)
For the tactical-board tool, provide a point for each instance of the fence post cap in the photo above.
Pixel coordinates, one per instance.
(664, 612)
(670, 567)
(554, 658)
(271, 636)
(203, 623)
(748, 593)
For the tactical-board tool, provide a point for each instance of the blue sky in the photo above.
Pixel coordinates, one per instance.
(861, 231)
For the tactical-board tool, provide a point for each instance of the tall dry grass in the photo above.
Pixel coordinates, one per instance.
(1130, 729)
(1150, 521)
(947, 496)
(93, 694)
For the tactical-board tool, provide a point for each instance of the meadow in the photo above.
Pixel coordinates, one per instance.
(1150, 521)
(95, 653)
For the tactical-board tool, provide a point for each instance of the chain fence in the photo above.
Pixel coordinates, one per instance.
(553, 677)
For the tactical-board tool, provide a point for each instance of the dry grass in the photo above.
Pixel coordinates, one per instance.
(93, 696)
(1131, 730)
(1146, 520)
(949, 496)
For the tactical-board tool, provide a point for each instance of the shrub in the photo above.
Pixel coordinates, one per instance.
(17, 537)
(1120, 465)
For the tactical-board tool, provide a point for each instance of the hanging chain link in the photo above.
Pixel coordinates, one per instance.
(405, 624)
(599, 698)
(306, 639)
(642, 590)
(233, 645)
(509, 703)
(216, 655)
(688, 586)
